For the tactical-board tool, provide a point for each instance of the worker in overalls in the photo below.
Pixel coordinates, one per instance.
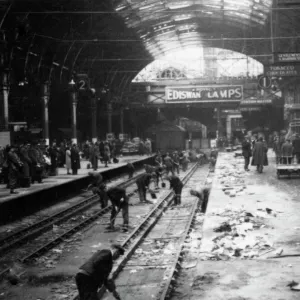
(177, 185)
(119, 201)
(168, 162)
(143, 184)
(97, 186)
(203, 195)
(95, 273)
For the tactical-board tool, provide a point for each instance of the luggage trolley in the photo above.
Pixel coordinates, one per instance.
(285, 169)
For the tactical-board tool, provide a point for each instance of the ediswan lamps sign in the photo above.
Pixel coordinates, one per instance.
(196, 94)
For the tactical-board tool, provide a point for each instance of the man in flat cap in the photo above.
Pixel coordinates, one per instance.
(94, 273)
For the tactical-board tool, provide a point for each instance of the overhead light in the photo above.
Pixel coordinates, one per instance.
(182, 17)
(72, 82)
(120, 7)
(147, 6)
(177, 5)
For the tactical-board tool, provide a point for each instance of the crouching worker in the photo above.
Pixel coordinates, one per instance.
(143, 184)
(95, 272)
(177, 185)
(119, 201)
(203, 195)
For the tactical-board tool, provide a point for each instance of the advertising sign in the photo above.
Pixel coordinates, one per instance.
(287, 57)
(198, 94)
(282, 70)
(256, 102)
(250, 108)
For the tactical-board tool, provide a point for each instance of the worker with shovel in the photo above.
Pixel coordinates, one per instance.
(119, 201)
(143, 185)
(177, 185)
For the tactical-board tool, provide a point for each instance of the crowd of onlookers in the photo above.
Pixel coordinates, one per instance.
(286, 148)
(25, 164)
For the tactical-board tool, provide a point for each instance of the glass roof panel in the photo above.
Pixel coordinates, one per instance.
(160, 18)
(197, 62)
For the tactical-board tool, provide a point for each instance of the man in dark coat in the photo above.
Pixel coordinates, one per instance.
(14, 165)
(75, 159)
(260, 155)
(94, 155)
(277, 149)
(53, 152)
(143, 184)
(36, 164)
(119, 201)
(246, 152)
(95, 273)
(26, 175)
(287, 152)
(177, 185)
(296, 146)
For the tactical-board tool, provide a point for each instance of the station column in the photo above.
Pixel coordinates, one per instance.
(94, 116)
(45, 101)
(74, 101)
(5, 88)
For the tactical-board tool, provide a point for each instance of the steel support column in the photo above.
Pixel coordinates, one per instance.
(45, 101)
(74, 100)
(94, 118)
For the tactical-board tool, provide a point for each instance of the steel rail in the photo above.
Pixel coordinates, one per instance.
(24, 235)
(137, 236)
(75, 228)
(165, 293)
(32, 231)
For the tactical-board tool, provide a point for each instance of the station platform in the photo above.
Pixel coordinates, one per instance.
(54, 188)
(250, 218)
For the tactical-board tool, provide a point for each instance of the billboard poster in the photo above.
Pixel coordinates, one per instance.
(287, 57)
(201, 94)
(285, 70)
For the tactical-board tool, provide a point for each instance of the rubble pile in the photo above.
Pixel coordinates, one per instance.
(236, 240)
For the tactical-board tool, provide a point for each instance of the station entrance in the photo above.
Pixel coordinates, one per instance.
(227, 108)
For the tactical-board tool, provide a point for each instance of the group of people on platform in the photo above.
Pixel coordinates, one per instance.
(30, 162)
(257, 148)
(287, 149)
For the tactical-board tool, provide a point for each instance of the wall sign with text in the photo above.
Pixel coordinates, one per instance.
(198, 94)
(285, 70)
(287, 57)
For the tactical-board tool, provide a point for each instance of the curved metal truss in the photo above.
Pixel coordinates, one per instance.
(173, 24)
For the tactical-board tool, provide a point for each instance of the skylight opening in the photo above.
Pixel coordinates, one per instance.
(198, 62)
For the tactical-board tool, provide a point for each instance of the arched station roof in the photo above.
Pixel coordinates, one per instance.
(112, 40)
(164, 25)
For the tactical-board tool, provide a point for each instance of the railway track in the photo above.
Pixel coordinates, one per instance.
(29, 233)
(181, 218)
